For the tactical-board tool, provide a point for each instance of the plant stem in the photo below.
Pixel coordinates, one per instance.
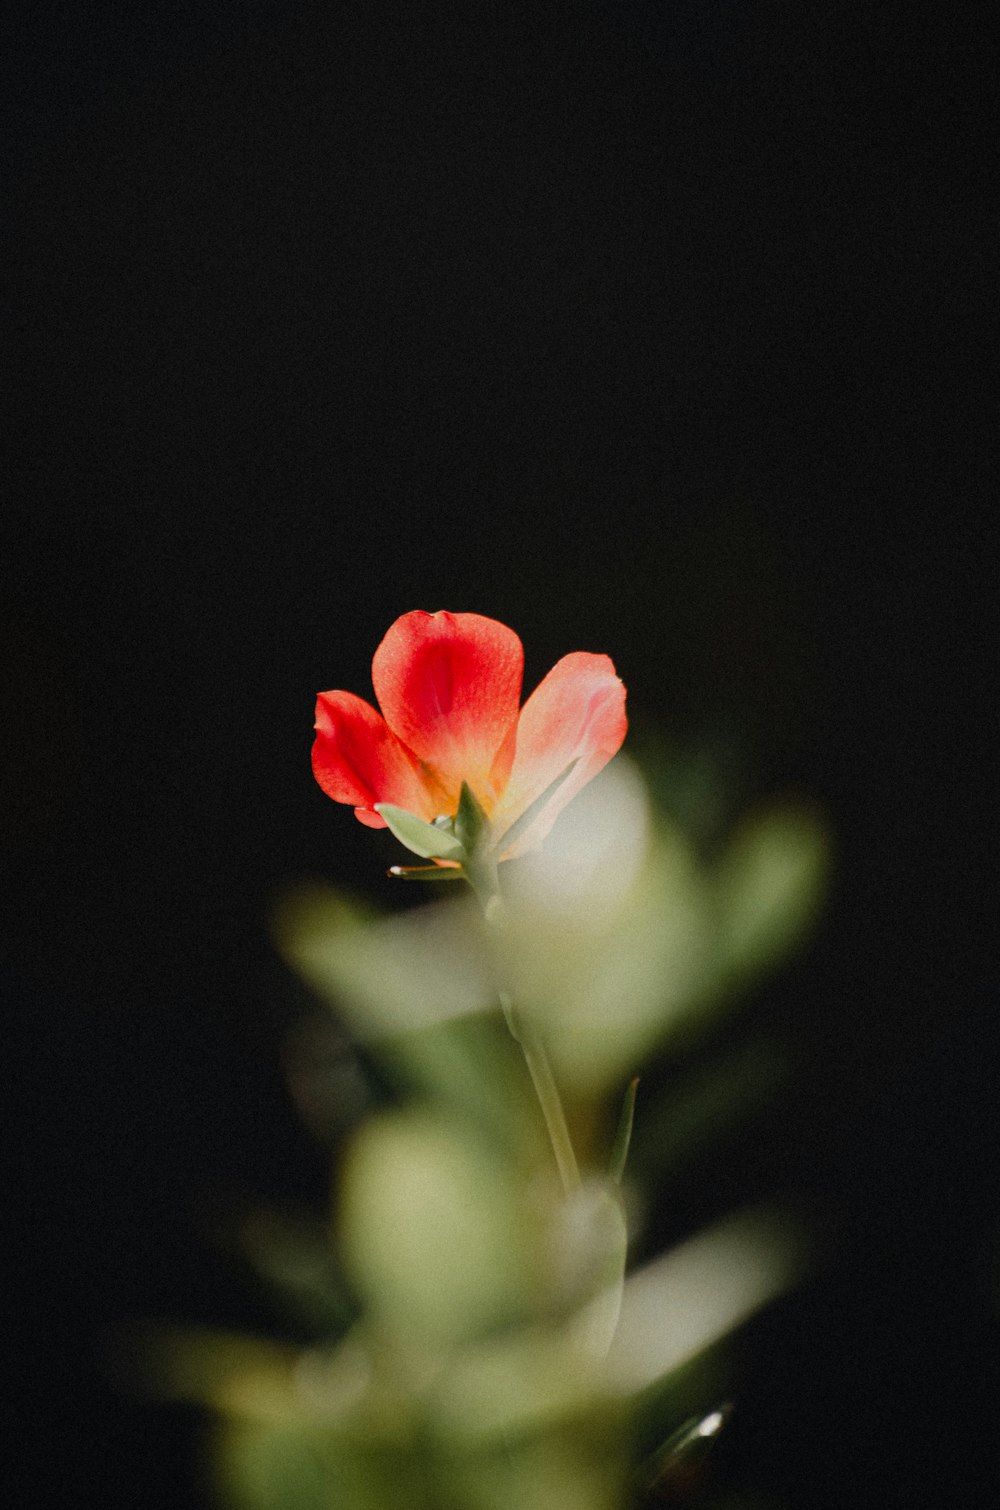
(487, 889)
(547, 1092)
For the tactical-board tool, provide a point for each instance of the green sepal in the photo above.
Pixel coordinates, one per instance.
(422, 838)
(426, 873)
(522, 824)
(472, 826)
(623, 1134)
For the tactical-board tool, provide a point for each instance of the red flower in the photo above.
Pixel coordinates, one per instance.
(449, 686)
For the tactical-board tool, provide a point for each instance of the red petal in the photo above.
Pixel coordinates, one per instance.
(576, 713)
(449, 685)
(370, 818)
(356, 758)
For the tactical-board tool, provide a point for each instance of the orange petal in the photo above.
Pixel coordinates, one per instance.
(449, 685)
(356, 758)
(576, 713)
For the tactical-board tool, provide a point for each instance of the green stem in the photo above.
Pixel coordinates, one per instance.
(547, 1092)
(485, 884)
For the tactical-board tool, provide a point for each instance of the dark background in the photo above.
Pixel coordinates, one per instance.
(660, 330)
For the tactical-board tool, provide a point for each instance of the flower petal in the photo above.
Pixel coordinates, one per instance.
(577, 712)
(356, 758)
(449, 685)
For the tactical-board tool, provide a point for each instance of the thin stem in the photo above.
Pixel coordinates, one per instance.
(547, 1092)
(485, 884)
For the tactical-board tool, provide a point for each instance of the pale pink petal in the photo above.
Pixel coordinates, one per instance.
(576, 713)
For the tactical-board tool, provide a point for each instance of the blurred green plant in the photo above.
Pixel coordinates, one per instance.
(494, 1353)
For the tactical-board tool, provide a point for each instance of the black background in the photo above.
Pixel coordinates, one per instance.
(660, 330)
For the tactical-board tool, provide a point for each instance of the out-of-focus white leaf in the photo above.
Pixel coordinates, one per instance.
(682, 1303)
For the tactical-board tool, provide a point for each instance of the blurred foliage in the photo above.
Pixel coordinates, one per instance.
(477, 1342)
(616, 937)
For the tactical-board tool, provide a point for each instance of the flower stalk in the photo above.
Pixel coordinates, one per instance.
(485, 883)
(542, 1078)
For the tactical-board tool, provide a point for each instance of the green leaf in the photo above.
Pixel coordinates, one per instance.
(422, 838)
(471, 823)
(308, 1464)
(436, 1229)
(623, 1134)
(770, 887)
(527, 818)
